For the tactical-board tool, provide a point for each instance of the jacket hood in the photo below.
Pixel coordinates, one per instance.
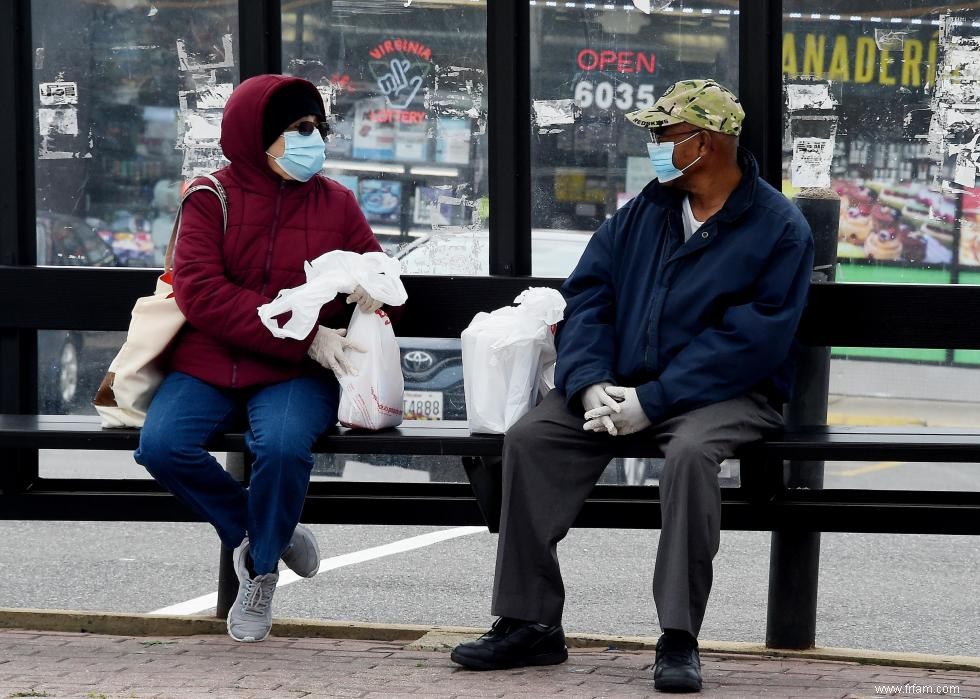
(241, 126)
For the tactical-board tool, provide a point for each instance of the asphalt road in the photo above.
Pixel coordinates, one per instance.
(889, 592)
(909, 593)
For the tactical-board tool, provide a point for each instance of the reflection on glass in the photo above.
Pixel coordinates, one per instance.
(406, 91)
(904, 389)
(128, 97)
(70, 365)
(590, 65)
(874, 112)
(868, 114)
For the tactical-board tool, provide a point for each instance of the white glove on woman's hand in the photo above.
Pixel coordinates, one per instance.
(628, 416)
(328, 349)
(364, 300)
(595, 397)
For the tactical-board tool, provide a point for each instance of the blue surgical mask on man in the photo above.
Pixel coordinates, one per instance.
(303, 155)
(662, 159)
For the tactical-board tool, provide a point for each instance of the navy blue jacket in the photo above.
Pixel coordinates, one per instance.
(688, 323)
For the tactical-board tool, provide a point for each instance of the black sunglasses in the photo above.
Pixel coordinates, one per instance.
(306, 128)
(663, 138)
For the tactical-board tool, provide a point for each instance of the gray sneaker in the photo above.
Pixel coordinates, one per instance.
(250, 617)
(302, 556)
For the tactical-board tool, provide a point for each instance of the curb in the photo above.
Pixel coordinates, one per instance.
(422, 637)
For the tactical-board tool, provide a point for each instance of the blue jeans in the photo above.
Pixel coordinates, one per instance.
(284, 420)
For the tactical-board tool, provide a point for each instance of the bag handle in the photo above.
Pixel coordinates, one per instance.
(219, 191)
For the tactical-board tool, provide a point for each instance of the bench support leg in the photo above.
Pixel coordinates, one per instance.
(794, 559)
(794, 564)
(227, 583)
(227, 579)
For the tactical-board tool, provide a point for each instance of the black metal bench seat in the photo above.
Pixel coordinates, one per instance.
(760, 503)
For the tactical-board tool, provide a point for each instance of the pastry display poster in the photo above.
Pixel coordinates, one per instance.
(896, 222)
(970, 229)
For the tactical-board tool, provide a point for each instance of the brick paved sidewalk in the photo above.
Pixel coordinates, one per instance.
(91, 666)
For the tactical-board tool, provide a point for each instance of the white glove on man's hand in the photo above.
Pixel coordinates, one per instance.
(328, 348)
(627, 417)
(364, 300)
(595, 397)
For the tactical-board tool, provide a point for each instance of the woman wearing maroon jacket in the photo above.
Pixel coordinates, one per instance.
(226, 368)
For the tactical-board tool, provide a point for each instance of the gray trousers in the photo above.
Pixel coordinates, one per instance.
(550, 465)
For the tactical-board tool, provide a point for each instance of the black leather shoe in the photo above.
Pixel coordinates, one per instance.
(513, 643)
(678, 665)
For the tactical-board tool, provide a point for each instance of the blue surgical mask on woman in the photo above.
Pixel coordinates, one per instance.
(662, 158)
(303, 155)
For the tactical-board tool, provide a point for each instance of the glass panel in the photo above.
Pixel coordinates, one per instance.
(128, 102)
(875, 111)
(128, 99)
(591, 63)
(904, 389)
(70, 366)
(872, 112)
(902, 475)
(406, 85)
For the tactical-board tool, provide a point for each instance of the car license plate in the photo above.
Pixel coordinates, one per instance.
(423, 405)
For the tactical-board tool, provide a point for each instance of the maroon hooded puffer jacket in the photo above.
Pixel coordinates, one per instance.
(274, 226)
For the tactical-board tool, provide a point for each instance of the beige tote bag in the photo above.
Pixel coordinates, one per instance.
(134, 375)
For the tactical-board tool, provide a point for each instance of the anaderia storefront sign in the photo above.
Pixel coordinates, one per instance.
(852, 57)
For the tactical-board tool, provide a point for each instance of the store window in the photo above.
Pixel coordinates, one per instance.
(876, 111)
(873, 110)
(406, 86)
(128, 100)
(591, 63)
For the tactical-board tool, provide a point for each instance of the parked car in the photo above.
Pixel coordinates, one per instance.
(554, 253)
(70, 363)
(65, 240)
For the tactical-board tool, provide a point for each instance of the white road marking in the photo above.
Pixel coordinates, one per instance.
(288, 577)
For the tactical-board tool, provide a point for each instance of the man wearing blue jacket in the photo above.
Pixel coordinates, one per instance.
(680, 320)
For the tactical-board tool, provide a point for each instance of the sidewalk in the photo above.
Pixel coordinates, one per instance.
(61, 664)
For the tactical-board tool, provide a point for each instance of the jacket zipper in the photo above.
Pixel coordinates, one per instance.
(268, 268)
(272, 238)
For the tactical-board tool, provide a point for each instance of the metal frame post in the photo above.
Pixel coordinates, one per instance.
(18, 347)
(794, 559)
(760, 83)
(259, 37)
(509, 133)
(227, 577)
(795, 555)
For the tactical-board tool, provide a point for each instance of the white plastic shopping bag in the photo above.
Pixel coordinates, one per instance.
(504, 356)
(337, 272)
(372, 400)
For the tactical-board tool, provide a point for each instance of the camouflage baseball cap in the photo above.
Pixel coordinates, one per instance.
(702, 103)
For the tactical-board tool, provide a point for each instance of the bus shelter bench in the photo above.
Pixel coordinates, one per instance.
(762, 502)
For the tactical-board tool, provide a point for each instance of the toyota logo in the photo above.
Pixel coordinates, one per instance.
(417, 361)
